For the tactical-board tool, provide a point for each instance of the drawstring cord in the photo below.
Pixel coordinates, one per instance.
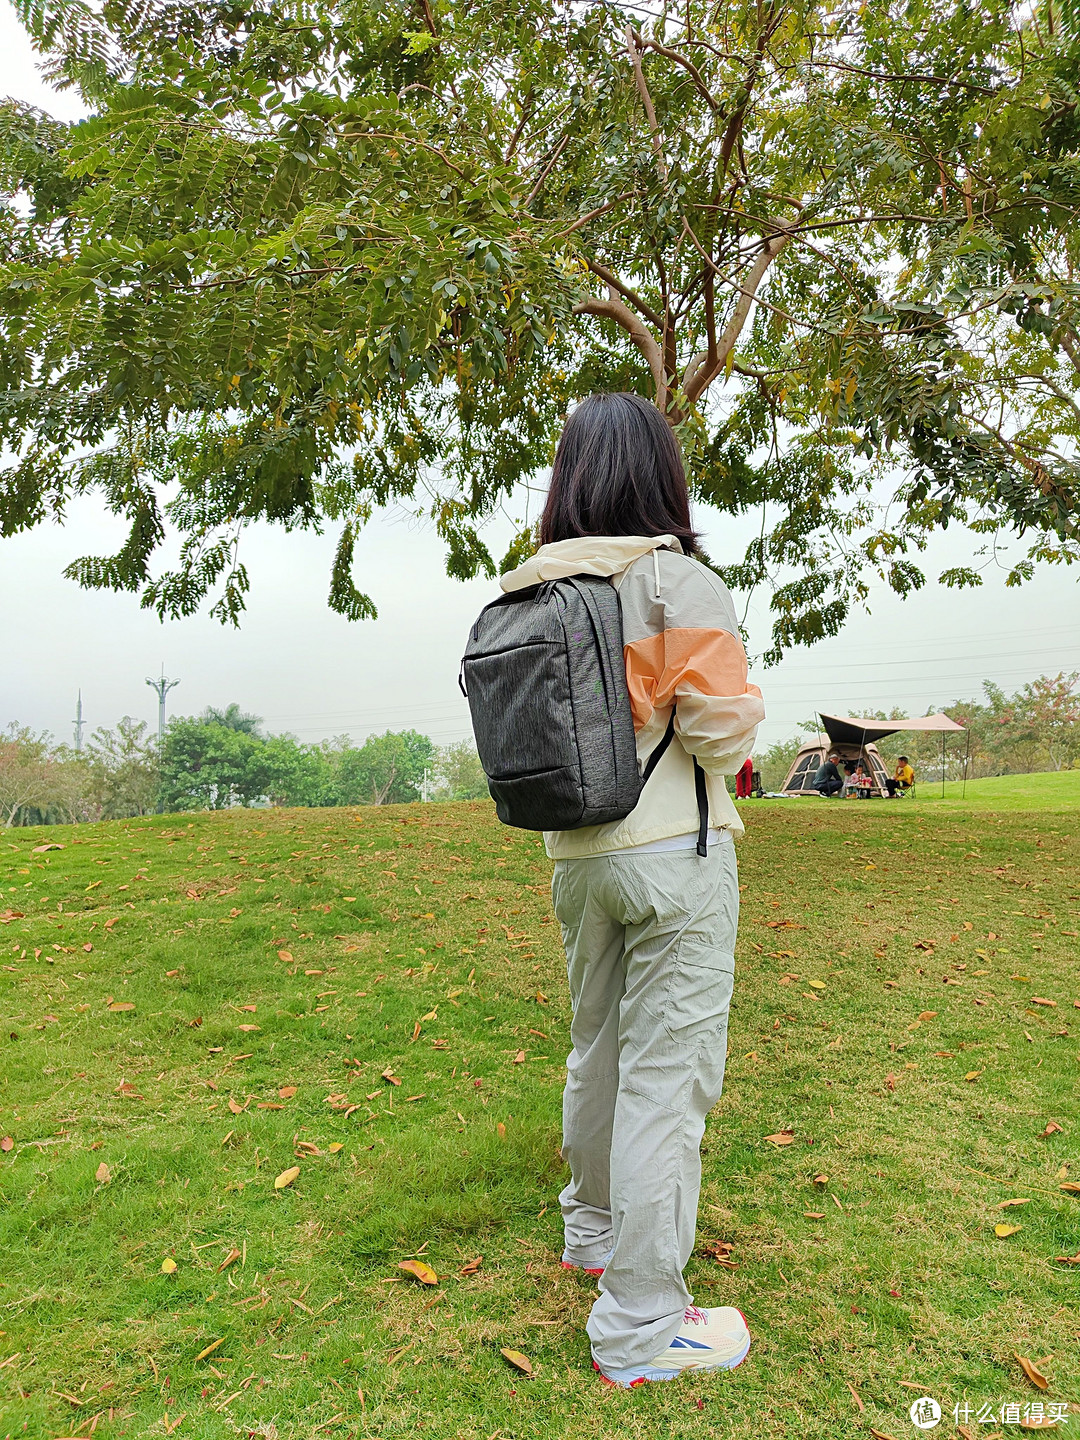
(656, 573)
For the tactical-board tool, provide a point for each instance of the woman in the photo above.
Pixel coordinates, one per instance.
(649, 925)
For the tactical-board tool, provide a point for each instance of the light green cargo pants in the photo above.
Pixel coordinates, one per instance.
(650, 943)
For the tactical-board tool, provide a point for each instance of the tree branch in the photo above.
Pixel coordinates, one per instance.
(702, 375)
(646, 100)
(614, 283)
(612, 309)
(687, 65)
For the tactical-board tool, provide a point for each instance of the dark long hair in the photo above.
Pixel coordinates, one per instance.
(617, 471)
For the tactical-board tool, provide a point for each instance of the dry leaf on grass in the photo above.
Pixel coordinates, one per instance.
(972, 1075)
(782, 1137)
(285, 955)
(287, 1177)
(928, 1015)
(419, 1271)
(210, 1349)
(335, 1146)
(814, 1214)
(168, 1266)
(1001, 1231)
(1041, 1000)
(235, 1107)
(230, 1259)
(249, 1027)
(519, 1058)
(1006, 1204)
(103, 1174)
(286, 1092)
(518, 1360)
(1072, 1188)
(6, 1144)
(1068, 1259)
(855, 1396)
(1032, 1371)
(122, 1005)
(1052, 1128)
(471, 1266)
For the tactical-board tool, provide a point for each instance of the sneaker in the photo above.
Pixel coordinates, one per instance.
(707, 1340)
(568, 1264)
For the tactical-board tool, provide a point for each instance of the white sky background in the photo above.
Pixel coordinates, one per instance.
(315, 674)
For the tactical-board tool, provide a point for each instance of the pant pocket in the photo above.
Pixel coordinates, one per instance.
(699, 991)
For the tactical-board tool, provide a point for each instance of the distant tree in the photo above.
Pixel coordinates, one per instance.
(233, 718)
(459, 774)
(29, 775)
(385, 770)
(206, 766)
(297, 774)
(124, 770)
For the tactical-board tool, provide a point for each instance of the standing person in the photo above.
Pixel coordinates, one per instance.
(744, 780)
(648, 924)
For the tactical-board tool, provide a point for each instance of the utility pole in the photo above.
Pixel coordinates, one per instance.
(78, 723)
(162, 687)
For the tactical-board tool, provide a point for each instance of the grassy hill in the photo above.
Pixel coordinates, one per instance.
(193, 1007)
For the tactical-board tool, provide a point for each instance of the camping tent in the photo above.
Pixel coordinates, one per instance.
(852, 737)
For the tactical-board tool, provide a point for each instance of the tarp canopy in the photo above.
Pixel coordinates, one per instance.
(851, 730)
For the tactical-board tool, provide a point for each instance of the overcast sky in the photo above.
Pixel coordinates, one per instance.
(308, 671)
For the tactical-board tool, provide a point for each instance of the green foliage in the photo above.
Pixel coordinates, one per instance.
(459, 774)
(298, 265)
(386, 770)
(123, 765)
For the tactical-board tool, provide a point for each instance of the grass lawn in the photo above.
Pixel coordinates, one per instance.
(192, 1007)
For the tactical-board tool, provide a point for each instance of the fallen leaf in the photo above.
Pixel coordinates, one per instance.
(1041, 1000)
(890, 1082)
(248, 1027)
(287, 1177)
(285, 955)
(1005, 1204)
(501, 1129)
(814, 1214)
(103, 1174)
(1052, 1128)
(1072, 1188)
(1001, 1230)
(519, 1058)
(471, 1266)
(168, 1266)
(816, 984)
(40, 849)
(305, 1147)
(928, 1015)
(388, 1074)
(1033, 1373)
(972, 1075)
(420, 1271)
(782, 1137)
(230, 1259)
(519, 1361)
(88, 947)
(122, 1005)
(855, 1396)
(335, 1146)
(210, 1349)
(821, 1179)
(286, 1092)
(1068, 1259)
(234, 1107)
(6, 1144)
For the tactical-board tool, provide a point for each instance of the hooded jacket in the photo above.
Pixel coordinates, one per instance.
(681, 646)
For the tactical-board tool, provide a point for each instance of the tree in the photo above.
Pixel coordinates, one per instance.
(303, 264)
(459, 774)
(233, 718)
(205, 766)
(124, 774)
(385, 770)
(29, 778)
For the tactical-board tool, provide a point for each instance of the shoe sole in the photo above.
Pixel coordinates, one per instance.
(664, 1375)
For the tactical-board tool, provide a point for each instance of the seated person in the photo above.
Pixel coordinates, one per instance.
(827, 778)
(903, 777)
(853, 777)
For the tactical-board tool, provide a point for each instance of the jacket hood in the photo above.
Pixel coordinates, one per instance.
(587, 555)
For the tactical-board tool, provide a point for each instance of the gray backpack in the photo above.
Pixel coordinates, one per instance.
(545, 679)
